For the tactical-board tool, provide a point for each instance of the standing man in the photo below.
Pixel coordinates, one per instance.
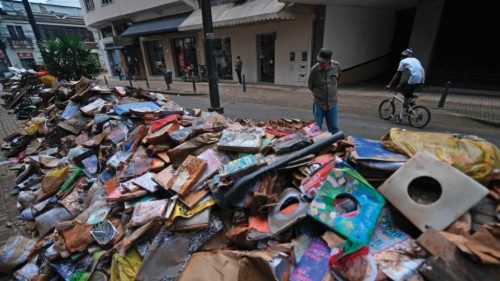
(410, 75)
(322, 81)
(132, 68)
(118, 71)
(238, 65)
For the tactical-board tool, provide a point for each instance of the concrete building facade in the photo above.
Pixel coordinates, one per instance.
(19, 47)
(278, 40)
(273, 39)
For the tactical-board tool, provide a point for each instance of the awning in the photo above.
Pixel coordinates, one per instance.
(156, 26)
(249, 12)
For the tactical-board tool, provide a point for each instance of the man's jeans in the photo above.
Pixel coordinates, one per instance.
(330, 115)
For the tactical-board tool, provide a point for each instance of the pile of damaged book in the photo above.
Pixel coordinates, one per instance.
(120, 183)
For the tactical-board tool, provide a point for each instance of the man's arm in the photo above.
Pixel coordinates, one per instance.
(394, 80)
(310, 81)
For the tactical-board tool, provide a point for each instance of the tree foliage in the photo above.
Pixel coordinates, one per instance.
(67, 58)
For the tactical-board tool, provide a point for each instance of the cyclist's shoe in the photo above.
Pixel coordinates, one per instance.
(398, 119)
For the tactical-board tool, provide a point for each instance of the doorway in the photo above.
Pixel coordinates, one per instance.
(265, 57)
(185, 54)
(114, 59)
(155, 57)
(132, 54)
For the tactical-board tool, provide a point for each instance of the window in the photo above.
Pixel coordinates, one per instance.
(16, 32)
(222, 52)
(20, 32)
(106, 2)
(120, 27)
(89, 5)
(51, 31)
(185, 54)
(107, 31)
(155, 57)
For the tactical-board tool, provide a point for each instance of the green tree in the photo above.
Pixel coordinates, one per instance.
(67, 58)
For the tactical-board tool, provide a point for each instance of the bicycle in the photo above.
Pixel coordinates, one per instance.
(418, 115)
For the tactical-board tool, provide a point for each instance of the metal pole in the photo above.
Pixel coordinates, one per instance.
(147, 82)
(194, 84)
(443, 96)
(244, 84)
(32, 21)
(208, 34)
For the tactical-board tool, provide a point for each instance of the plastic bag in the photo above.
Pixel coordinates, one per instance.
(126, 267)
(35, 125)
(473, 156)
(15, 252)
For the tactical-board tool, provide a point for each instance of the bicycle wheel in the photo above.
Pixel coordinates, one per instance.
(386, 109)
(419, 116)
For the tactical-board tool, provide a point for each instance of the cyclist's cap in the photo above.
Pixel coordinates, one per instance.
(325, 54)
(407, 53)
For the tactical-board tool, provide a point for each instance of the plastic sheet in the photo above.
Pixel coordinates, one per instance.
(15, 252)
(473, 156)
(125, 268)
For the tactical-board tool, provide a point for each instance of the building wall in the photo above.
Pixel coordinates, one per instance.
(15, 12)
(138, 10)
(13, 53)
(358, 35)
(244, 44)
(291, 36)
(425, 29)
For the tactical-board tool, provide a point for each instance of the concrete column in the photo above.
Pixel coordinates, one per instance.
(425, 29)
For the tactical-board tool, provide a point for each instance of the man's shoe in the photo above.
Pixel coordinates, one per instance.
(398, 119)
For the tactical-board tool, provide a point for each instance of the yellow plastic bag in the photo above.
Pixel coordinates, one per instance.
(35, 125)
(473, 156)
(48, 81)
(183, 212)
(124, 268)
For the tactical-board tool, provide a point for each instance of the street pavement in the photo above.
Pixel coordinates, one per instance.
(358, 107)
(8, 211)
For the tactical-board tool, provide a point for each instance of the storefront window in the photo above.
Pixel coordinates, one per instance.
(222, 50)
(28, 63)
(155, 57)
(185, 54)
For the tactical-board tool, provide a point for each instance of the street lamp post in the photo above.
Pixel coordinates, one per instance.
(208, 34)
(32, 21)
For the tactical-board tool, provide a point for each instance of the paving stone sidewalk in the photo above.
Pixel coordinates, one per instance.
(8, 210)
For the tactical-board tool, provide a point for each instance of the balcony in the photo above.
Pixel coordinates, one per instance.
(21, 43)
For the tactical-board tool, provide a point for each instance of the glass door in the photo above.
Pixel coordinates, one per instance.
(222, 51)
(185, 54)
(155, 57)
(265, 57)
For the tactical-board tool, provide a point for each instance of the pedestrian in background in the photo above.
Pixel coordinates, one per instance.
(118, 71)
(238, 65)
(132, 68)
(322, 82)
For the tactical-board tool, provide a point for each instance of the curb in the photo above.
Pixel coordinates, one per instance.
(179, 93)
(170, 92)
(480, 120)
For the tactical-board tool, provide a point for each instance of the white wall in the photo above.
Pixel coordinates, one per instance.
(358, 35)
(12, 53)
(134, 9)
(290, 36)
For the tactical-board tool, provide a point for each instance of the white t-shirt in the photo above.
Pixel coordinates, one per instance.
(414, 69)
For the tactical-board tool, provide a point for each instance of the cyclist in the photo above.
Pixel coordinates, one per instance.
(411, 75)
